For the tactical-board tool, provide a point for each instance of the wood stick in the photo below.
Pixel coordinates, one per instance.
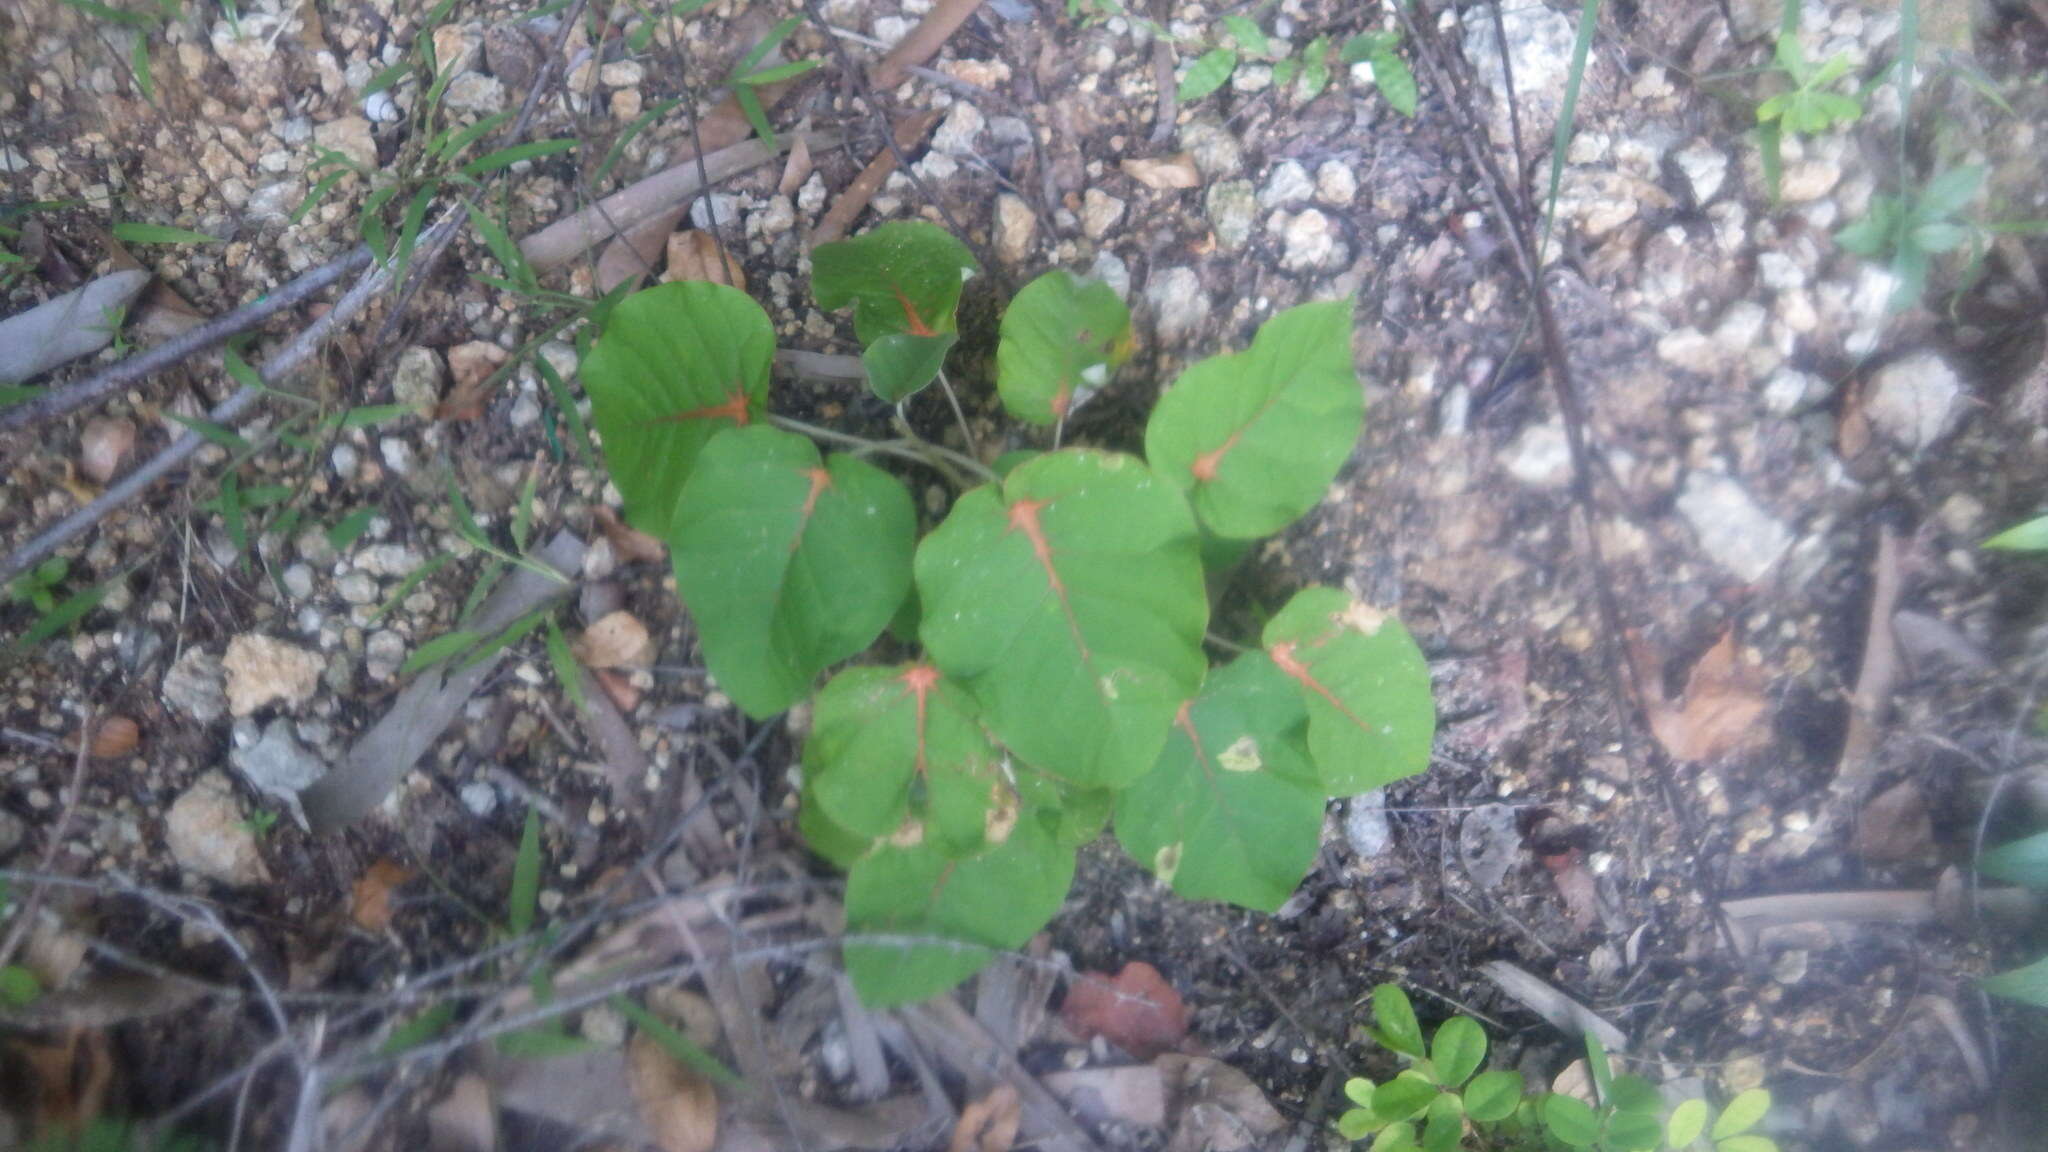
(909, 131)
(1880, 671)
(924, 41)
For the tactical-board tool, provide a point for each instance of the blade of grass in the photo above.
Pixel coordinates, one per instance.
(350, 528)
(412, 580)
(677, 1045)
(524, 898)
(440, 648)
(565, 403)
(506, 157)
(1560, 147)
(567, 671)
(136, 232)
(64, 615)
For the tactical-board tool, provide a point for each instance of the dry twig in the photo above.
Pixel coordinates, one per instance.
(843, 212)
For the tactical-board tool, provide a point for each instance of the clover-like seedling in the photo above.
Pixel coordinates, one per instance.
(1810, 106)
(1045, 669)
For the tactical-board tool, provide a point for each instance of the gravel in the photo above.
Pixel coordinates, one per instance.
(1179, 303)
(1233, 211)
(1733, 530)
(275, 764)
(195, 685)
(209, 837)
(262, 670)
(1912, 400)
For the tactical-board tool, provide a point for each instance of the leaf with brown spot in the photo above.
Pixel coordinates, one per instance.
(1719, 711)
(988, 1124)
(679, 1106)
(1137, 1010)
(370, 900)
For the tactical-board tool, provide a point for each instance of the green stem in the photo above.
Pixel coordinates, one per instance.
(923, 451)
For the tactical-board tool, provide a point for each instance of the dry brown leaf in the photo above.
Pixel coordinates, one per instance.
(1137, 1010)
(465, 1120)
(370, 902)
(617, 640)
(679, 1106)
(114, 737)
(1217, 1108)
(797, 168)
(1894, 825)
(1164, 172)
(67, 1079)
(623, 695)
(697, 255)
(104, 444)
(989, 1124)
(1719, 711)
(630, 543)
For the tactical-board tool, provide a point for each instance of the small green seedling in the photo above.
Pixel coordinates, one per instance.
(1304, 76)
(1442, 1101)
(2027, 536)
(1051, 672)
(1908, 231)
(1811, 106)
(260, 822)
(1390, 73)
(38, 586)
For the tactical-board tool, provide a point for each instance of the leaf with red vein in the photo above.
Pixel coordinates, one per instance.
(1233, 809)
(1062, 337)
(890, 744)
(787, 564)
(903, 280)
(677, 365)
(1071, 604)
(1256, 437)
(1365, 684)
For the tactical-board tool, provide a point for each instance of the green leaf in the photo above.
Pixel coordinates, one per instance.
(2031, 536)
(825, 837)
(756, 115)
(1571, 1120)
(1458, 1050)
(1256, 437)
(1405, 1095)
(679, 1047)
(1492, 1095)
(1285, 72)
(542, 1042)
(430, 1023)
(1395, 1138)
(1599, 1067)
(779, 73)
(677, 364)
(1232, 810)
(1394, 1021)
(788, 565)
(453, 144)
(1062, 337)
(387, 77)
(63, 615)
(513, 633)
(1366, 45)
(1634, 1094)
(1741, 1114)
(318, 193)
(506, 157)
(568, 673)
(1444, 1124)
(994, 901)
(500, 243)
(138, 62)
(1370, 718)
(18, 986)
(891, 743)
(1394, 80)
(1315, 74)
(412, 580)
(367, 415)
(1634, 1131)
(1247, 34)
(759, 52)
(135, 232)
(105, 12)
(438, 649)
(12, 394)
(524, 897)
(903, 280)
(1356, 1123)
(1949, 192)
(1747, 1143)
(565, 403)
(1208, 73)
(1359, 1091)
(1940, 236)
(1687, 1121)
(1071, 601)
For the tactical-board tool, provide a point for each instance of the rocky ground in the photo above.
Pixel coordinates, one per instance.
(1773, 450)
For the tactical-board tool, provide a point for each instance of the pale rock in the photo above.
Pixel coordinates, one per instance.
(1252, 78)
(195, 685)
(1539, 50)
(1705, 169)
(388, 560)
(776, 216)
(1179, 303)
(249, 42)
(479, 797)
(471, 363)
(357, 587)
(1788, 390)
(1111, 270)
(890, 29)
(416, 381)
(957, 133)
(1286, 185)
(1310, 242)
(276, 764)
(1100, 212)
(1805, 181)
(525, 411)
(274, 202)
(626, 105)
(1016, 226)
(383, 654)
(1912, 400)
(1214, 149)
(263, 670)
(1232, 208)
(476, 93)
(622, 74)
(398, 455)
(1365, 824)
(1732, 529)
(298, 581)
(1540, 457)
(351, 137)
(1336, 184)
(208, 836)
(1690, 349)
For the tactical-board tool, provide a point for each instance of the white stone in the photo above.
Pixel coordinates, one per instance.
(1788, 390)
(357, 587)
(1912, 400)
(416, 381)
(398, 455)
(475, 92)
(388, 560)
(1541, 456)
(1100, 212)
(298, 581)
(263, 670)
(194, 685)
(208, 836)
(1336, 184)
(1705, 168)
(479, 797)
(1286, 185)
(1732, 529)
(277, 765)
(1179, 303)
(958, 132)
(1016, 226)
(1310, 242)
(349, 136)
(1365, 824)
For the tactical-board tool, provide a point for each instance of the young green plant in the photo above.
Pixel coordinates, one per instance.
(1059, 611)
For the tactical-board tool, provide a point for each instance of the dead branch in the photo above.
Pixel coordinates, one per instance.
(1880, 671)
(924, 41)
(909, 131)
